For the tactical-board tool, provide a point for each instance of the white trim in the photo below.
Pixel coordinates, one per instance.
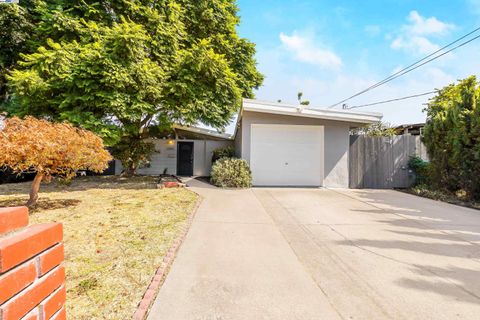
(204, 131)
(328, 114)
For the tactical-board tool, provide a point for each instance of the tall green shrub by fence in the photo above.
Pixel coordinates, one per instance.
(452, 137)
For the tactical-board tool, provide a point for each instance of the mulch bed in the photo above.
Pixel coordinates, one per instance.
(441, 196)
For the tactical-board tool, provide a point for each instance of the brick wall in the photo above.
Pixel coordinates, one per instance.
(32, 276)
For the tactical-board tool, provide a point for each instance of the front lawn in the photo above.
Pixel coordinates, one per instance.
(116, 233)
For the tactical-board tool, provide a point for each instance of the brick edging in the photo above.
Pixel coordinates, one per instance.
(32, 274)
(151, 293)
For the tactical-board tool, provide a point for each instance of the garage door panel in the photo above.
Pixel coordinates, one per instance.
(287, 155)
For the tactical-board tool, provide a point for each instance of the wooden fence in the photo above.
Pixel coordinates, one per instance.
(381, 162)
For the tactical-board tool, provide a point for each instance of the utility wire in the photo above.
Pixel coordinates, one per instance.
(410, 67)
(392, 100)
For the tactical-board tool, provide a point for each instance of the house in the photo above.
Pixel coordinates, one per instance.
(285, 145)
(415, 129)
(186, 152)
(288, 145)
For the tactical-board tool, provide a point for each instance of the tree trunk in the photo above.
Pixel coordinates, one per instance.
(130, 170)
(34, 189)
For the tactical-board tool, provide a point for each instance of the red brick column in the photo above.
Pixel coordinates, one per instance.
(32, 277)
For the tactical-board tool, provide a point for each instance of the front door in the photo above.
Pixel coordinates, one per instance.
(185, 159)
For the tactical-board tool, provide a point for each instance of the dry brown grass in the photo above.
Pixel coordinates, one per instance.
(116, 233)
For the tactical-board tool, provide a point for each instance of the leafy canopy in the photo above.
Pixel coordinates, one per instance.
(15, 30)
(118, 68)
(377, 129)
(452, 137)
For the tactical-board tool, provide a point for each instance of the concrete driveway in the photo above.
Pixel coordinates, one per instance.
(324, 254)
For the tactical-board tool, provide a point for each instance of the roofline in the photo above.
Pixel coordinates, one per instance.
(204, 131)
(410, 125)
(301, 111)
(289, 110)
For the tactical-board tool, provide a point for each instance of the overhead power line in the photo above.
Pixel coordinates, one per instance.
(414, 65)
(393, 100)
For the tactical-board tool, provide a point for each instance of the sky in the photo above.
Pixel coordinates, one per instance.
(330, 50)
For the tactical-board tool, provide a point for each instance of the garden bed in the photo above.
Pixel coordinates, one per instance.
(445, 196)
(117, 232)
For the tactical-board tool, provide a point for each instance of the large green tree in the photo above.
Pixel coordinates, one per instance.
(120, 67)
(452, 137)
(15, 29)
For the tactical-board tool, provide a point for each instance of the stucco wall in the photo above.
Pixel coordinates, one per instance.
(336, 142)
(238, 141)
(210, 146)
(165, 157)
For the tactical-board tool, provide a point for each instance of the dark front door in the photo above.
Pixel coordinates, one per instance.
(185, 158)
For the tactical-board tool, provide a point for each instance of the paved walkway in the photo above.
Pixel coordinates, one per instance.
(323, 254)
(235, 264)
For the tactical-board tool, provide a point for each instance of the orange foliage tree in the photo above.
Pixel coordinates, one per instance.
(46, 148)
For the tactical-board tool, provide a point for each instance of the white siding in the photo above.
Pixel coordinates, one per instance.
(118, 167)
(165, 157)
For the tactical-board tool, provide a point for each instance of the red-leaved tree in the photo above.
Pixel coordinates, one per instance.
(46, 148)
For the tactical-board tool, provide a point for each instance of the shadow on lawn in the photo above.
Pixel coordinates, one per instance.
(42, 204)
(84, 183)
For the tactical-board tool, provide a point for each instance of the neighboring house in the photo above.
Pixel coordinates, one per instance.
(415, 129)
(285, 145)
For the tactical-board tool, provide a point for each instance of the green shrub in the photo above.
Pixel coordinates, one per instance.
(231, 173)
(452, 135)
(377, 129)
(225, 152)
(422, 170)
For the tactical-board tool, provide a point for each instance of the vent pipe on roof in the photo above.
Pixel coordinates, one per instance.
(300, 108)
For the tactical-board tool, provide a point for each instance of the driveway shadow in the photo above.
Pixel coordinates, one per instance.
(427, 228)
(454, 279)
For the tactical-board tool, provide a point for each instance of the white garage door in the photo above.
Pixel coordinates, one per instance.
(286, 155)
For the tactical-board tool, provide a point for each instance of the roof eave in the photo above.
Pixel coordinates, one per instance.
(205, 132)
(290, 110)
